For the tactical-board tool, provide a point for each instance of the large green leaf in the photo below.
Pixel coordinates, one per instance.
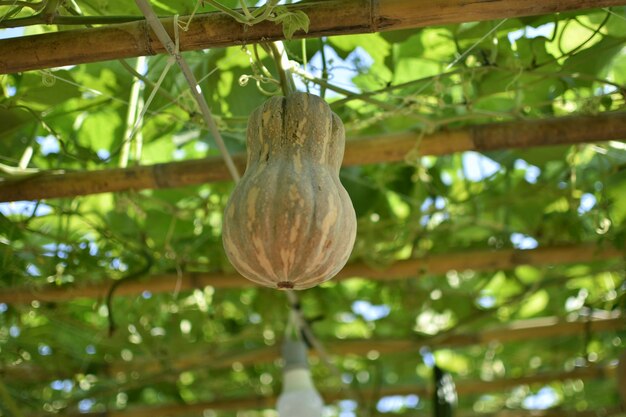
(596, 60)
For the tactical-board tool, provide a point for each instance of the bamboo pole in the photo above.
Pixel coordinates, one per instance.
(369, 150)
(554, 412)
(431, 265)
(212, 30)
(540, 328)
(545, 327)
(463, 387)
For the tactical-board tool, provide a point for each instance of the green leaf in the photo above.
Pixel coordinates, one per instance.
(361, 192)
(40, 89)
(541, 156)
(594, 61)
(535, 304)
(375, 45)
(100, 130)
(414, 58)
(616, 189)
(292, 21)
(619, 69)
(14, 118)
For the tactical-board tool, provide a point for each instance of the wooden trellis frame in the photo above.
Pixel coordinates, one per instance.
(462, 388)
(488, 260)
(517, 331)
(556, 412)
(212, 30)
(532, 329)
(390, 148)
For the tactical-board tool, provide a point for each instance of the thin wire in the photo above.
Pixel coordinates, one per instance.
(434, 78)
(214, 70)
(456, 61)
(185, 27)
(606, 9)
(157, 112)
(471, 48)
(157, 85)
(91, 90)
(200, 81)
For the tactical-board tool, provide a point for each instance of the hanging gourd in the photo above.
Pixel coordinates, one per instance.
(289, 222)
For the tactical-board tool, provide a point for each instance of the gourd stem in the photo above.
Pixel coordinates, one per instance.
(282, 65)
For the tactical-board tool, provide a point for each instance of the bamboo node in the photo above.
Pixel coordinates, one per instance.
(145, 30)
(374, 15)
(161, 176)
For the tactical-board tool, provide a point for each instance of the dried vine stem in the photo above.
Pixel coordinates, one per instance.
(277, 50)
(173, 50)
(196, 91)
(132, 276)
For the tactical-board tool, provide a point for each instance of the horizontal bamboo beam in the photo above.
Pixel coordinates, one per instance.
(540, 328)
(438, 264)
(370, 150)
(553, 412)
(463, 387)
(211, 30)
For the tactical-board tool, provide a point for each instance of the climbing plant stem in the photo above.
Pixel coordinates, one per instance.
(195, 89)
(283, 66)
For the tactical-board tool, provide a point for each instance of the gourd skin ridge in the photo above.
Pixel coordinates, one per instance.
(289, 222)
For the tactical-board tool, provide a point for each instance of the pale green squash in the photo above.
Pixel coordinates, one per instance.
(289, 222)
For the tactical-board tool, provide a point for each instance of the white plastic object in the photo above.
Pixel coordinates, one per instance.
(299, 397)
